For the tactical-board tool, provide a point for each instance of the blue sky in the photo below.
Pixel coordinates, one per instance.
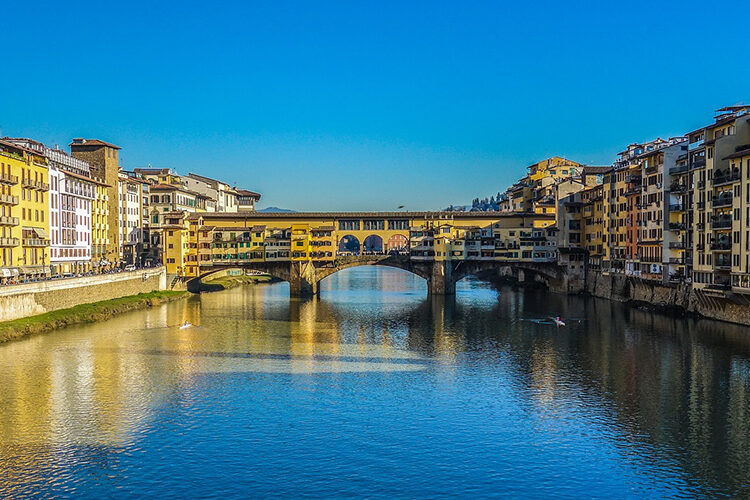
(368, 105)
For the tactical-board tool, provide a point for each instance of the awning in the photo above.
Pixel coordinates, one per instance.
(41, 233)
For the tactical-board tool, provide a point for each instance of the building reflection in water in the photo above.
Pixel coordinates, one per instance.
(679, 388)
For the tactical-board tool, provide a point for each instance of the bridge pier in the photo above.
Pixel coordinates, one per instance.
(303, 279)
(441, 280)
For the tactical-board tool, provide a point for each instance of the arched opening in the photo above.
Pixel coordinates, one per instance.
(348, 245)
(373, 244)
(373, 284)
(397, 244)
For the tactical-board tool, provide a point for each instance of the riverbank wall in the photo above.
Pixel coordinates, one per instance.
(30, 299)
(675, 298)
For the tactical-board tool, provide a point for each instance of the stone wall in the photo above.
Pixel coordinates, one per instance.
(20, 301)
(731, 308)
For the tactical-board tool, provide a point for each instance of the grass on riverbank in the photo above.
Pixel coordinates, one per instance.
(84, 313)
(227, 282)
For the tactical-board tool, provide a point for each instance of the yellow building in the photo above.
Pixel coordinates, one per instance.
(24, 223)
(227, 239)
(100, 225)
(593, 224)
(176, 244)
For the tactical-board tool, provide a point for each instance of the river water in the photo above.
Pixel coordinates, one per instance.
(376, 390)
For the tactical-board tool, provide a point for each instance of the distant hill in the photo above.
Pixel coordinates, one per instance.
(275, 210)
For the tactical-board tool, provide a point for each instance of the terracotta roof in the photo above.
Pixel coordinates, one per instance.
(591, 169)
(92, 142)
(245, 192)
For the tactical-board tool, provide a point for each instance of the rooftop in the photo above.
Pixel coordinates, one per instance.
(365, 215)
(92, 142)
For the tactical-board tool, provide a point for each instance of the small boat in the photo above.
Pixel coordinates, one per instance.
(185, 325)
(558, 321)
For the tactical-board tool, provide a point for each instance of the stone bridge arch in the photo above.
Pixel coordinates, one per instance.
(304, 276)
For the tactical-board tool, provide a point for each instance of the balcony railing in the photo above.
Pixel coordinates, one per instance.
(8, 242)
(725, 179)
(698, 164)
(676, 226)
(8, 199)
(676, 208)
(722, 224)
(722, 201)
(8, 178)
(720, 246)
(722, 264)
(678, 169)
(35, 242)
(678, 188)
(633, 179)
(34, 184)
(701, 205)
(6, 220)
(678, 245)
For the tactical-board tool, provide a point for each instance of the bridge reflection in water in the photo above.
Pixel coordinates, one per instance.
(669, 394)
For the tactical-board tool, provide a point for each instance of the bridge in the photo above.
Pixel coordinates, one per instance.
(304, 248)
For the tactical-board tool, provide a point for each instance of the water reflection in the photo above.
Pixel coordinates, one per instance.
(448, 395)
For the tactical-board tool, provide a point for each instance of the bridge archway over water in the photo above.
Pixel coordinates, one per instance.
(441, 276)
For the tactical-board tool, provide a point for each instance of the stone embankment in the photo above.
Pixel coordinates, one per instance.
(83, 313)
(30, 299)
(678, 298)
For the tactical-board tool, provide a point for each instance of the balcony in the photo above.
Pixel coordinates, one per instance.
(8, 242)
(677, 226)
(698, 164)
(701, 184)
(633, 179)
(695, 145)
(30, 183)
(633, 191)
(678, 169)
(8, 199)
(719, 286)
(678, 188)
(722, 201)
(700, 226)
(722, 264)
(676, 208)
(6, 178)
(723, 223)
(6, 220)
(721, 246)
(677, 245)
(35, 242)
(725, 179)
(701, 205)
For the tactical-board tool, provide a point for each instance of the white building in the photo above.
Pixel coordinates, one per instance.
(130, 217)
(224, 194)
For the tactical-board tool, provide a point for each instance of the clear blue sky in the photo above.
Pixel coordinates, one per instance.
(368, 105)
